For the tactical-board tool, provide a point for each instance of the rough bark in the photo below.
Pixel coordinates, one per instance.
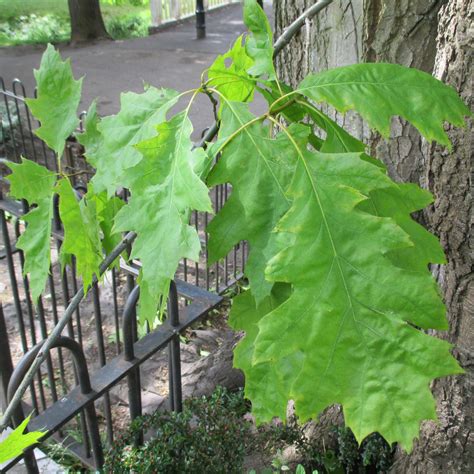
(448, 447)
(86, 21)
(405, 32)
(351, 31)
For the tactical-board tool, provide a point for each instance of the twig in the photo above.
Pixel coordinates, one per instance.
(282, 41)
(296, 26)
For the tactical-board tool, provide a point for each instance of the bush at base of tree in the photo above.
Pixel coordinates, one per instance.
(212, 435)
(208, 436)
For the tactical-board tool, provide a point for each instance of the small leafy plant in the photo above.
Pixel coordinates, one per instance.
(210, 435)
(340, 292)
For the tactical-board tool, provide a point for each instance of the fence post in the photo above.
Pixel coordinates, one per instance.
(156, 9)
(176, 397)
(200, 20)
(6, 365)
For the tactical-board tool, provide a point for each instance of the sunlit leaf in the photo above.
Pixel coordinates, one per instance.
(379, 91)
(164, 188)
(349, 325)
(115, 153)
(17, 441)
(58, 97)
(228, 74)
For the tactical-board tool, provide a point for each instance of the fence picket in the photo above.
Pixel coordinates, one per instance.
(156, 8)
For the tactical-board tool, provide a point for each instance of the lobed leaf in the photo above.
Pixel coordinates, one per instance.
(17, 441)
(378, 91)
(164, 188)
(349, 325)
(114, 152)
(259, 44)
(58, 97)
(35, 184)
(259, 168)
(233, 81)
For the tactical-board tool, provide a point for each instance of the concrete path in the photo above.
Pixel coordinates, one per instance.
(172, 58)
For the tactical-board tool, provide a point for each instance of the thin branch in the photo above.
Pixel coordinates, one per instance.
(296, 26)
(284, 39)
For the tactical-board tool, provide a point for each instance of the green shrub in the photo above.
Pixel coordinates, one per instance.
(208, 436)
(212, 436)
(373, 455)
(130, 26)
(35, 29)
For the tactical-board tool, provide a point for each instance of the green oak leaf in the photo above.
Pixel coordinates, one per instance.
(115, 153)
(233, 80)
(337, 139)
(35, 183)
(260, 387)
(259, 44)
(81, 232)
(164, 188)
(106, 210)
(349, 325)
(378, 91)
(58, 97)
(260, 169)
(399, 202)
(17, 441)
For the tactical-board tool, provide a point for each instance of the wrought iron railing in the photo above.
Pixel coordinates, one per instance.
(102, 336)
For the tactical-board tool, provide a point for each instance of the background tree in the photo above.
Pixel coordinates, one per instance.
(431, 35)
(86, 21)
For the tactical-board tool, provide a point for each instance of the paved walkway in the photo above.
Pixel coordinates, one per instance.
(172, 58)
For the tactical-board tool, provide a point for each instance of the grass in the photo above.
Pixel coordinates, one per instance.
(43, 21)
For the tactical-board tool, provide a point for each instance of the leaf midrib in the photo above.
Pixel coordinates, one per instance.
(336, 257)
(262, 155)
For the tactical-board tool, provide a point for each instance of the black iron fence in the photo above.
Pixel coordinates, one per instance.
(90, 383)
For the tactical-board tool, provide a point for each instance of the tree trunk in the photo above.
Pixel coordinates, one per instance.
(405, 32)
(86, 21)
(448, 447)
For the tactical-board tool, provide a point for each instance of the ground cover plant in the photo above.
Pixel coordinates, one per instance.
(213, 435)
(340, 291)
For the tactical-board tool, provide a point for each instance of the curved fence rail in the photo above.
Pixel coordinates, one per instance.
(103, 326)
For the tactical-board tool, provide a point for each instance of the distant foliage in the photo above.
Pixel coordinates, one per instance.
(128, 26)
(35, 29)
